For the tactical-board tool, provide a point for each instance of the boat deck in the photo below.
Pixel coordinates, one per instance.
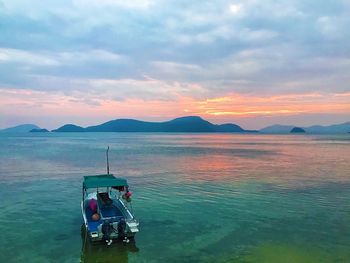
(106, 212)
(110, 211)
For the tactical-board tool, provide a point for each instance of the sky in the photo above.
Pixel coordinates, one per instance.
(253, 63)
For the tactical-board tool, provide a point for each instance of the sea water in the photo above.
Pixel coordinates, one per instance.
(198, 197)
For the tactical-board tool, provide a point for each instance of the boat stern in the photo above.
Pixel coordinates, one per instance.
(133, 227)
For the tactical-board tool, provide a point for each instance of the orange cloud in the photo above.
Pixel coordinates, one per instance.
(36, 103)
(247, 105)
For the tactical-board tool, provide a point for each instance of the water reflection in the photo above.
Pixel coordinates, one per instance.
(99, 252)
(261, 198)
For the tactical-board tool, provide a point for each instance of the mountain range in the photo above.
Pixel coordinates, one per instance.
(315, 129)
(21, 128)
(182, 124)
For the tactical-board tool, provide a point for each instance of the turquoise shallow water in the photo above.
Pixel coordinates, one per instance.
(198, 197)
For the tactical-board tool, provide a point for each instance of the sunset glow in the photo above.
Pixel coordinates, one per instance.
(36, 103)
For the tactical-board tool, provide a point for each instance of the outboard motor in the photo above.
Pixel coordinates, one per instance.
(122, 230)
(107, 229)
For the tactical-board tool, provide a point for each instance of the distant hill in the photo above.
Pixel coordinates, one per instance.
(39, 130)
(21, 128)
(69, 128)
(316, 129)
(183, 124)
(337, 128)
(297, 130)
(277, 129)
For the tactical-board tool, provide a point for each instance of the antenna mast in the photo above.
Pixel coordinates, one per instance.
(107, 160)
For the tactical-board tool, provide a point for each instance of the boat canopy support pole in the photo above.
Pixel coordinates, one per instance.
(107, 160)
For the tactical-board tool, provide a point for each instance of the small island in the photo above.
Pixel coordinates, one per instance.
(38, 130)
(297, 130)
(69, 128)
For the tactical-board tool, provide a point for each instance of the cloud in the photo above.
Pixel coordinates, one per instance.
(291, 104)
(165, 50)
(113, 3)
(9, 56)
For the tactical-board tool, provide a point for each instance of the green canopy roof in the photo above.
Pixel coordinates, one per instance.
(103, 180)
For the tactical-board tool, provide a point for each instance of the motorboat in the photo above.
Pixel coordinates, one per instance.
(106, 208)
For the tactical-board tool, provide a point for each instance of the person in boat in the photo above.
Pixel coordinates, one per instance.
(107, 230)
(93, 207)
(121, 231)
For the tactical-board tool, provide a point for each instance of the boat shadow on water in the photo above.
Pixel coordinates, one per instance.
(117, 252)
